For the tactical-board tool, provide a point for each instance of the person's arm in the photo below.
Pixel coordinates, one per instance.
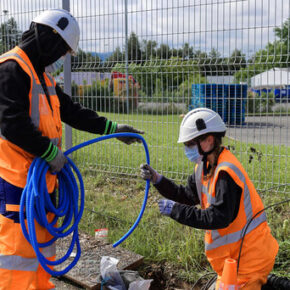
(186, 195)
(15, 122)
(81, 118)
(216, 216)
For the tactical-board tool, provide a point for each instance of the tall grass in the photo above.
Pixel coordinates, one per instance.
(114, 193)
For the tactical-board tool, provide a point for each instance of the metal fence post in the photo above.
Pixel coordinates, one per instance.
(67, 84)
(126, 53)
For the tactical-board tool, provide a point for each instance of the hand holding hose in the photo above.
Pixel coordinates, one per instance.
(147, 172)
(58, 162)
(55, 158)
(129, 129)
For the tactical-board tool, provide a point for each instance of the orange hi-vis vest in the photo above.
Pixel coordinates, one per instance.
(224, 243)
(14, 161)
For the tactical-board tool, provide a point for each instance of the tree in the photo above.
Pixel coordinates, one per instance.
(283, 33)
(148, 49)
(10, 35)
(186, 51)
(237, 60)
(275, 54)
(163, 52)
(134, 50)
(116, 57)
(86, 61)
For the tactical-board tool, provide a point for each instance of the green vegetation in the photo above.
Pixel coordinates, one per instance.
(114, 196)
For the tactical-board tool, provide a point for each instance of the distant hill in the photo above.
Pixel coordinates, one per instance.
(102, 55)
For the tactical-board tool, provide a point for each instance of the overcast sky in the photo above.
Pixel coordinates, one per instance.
(205, 24)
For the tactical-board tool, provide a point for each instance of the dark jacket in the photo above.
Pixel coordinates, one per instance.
(15, 122)
(216, 216)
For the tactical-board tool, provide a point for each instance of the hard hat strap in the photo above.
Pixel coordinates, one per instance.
(204, 156)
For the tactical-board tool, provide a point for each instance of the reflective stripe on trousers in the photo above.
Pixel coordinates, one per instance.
(13, 262)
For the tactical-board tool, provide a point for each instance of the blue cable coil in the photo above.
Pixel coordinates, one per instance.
(36, 203)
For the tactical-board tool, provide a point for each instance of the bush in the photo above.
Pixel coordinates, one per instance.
(162, 108)
(260, 104)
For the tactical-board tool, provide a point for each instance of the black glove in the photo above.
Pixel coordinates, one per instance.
(147, 172)
(126, 128)
(58, 162)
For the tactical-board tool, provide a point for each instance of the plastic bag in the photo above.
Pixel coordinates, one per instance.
(111, 277)
(140, 285)
(121, 280)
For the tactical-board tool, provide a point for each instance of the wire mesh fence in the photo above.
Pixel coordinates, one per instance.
(147, 63)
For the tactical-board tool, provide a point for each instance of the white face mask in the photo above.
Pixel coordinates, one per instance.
(56, 65)
(192, 154)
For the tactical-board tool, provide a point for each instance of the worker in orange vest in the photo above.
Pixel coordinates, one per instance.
(227, 197)
(32, 108)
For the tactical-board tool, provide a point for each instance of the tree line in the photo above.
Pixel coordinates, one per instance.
(159, 66)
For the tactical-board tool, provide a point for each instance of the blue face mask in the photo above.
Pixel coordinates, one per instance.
(192, 154)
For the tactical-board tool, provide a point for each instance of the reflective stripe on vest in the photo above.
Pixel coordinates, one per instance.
(198, 176)
(200, 187)
(13, 262)
(36, 91)
(219, 240)
(236, 236)
(228, 287)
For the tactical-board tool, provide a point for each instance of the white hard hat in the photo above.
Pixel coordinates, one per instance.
(64, 23)
(198, 122)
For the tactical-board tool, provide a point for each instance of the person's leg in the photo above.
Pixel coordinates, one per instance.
(255, 281)
(252, 281)
(16, 271)
(42, 279)
(18, 263)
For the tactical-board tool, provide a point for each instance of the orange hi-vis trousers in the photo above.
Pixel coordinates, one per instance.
(19, 267)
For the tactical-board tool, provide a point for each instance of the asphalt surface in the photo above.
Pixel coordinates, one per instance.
(273, 130)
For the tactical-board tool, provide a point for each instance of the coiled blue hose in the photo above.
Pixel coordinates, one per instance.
(37, 202)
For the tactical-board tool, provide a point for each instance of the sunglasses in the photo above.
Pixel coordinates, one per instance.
(194, 141)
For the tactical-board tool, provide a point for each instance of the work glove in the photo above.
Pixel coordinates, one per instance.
(165, 206)
(58, 162)
(147, 172)
(126, 128)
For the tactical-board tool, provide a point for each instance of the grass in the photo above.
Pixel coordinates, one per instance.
(114, 193)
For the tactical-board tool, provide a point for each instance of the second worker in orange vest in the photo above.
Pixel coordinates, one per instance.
(227, 201)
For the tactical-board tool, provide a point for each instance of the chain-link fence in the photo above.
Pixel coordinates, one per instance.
(147, 63)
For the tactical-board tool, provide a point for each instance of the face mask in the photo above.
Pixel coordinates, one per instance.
(192, 154)
(56, 65)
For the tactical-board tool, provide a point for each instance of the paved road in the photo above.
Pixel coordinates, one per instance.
(272, 130)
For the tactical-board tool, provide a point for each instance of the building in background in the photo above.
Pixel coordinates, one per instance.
(276, 81)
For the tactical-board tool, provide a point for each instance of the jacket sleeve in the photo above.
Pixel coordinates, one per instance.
(216, 216)
(183, 194)
(81, 118)
(15, 122)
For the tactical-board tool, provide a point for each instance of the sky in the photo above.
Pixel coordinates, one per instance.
(224, 25)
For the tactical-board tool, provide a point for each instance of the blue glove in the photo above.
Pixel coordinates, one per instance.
(165, 206)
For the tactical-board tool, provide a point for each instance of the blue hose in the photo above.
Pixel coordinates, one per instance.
(37, 202)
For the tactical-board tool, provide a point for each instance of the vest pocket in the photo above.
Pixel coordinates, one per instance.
(2, 197)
